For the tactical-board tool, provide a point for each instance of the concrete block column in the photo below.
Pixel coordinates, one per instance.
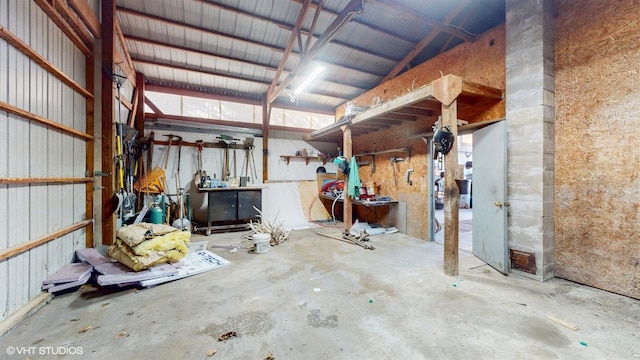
(530, 130)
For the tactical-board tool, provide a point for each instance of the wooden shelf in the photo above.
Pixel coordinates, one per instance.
(306, 158)
(390, 151)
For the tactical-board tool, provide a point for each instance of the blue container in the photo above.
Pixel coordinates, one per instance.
(156, 214)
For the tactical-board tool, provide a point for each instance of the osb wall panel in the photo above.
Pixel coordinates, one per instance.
(597, 202)
(482, 62)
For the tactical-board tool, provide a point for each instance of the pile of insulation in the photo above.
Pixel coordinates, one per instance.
(141, 246)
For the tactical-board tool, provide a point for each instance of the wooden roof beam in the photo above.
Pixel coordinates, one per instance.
(230, 58)
(461, 34)
(294, 32)
(153, 106)
(73, 21)
(90, 20)
(186, 67)
(286, 26)
(364, 24)
(345, 16)
(478, 90)
(425, 42)
(251, 42)
(250, 99)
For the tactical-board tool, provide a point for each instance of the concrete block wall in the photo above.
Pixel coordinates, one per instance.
(530, 130)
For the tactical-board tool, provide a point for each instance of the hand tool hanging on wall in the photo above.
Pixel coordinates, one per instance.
(393, 161)
(166, 155)
(179, 151)
(125, 138)
(249, 160)
(226, 171)
(199, 173)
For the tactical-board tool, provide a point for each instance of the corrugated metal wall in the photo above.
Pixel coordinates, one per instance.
(32, 210)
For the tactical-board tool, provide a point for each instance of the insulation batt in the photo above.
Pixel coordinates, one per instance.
(143, 245)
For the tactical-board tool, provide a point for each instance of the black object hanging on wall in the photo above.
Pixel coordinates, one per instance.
(443, 140)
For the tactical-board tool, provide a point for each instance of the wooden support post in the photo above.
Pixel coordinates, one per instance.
(347, 145)
(446, 89)
(109, 201)
(266, 117)
(90, 149)
(139, 107)
(451, 193)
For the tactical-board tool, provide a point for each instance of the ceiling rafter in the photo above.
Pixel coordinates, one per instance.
(250, 42)
(294, 33)
(426, 41)
(445, 46)
(183, 67)
(309, 33)
(455, 31)
(230, 58)
(198, 69)
(345, 16)
(366, 25)
(158, 85)
(313, 25)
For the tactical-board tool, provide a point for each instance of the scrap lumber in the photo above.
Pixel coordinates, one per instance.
(350, 239)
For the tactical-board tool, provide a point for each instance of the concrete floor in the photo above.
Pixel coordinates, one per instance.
(317, 298)
(465, 233)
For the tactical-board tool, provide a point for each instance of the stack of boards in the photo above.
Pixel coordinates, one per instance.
(69, 276)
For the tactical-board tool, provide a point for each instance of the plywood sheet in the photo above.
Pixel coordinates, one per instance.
(479, 62)
(597, 161)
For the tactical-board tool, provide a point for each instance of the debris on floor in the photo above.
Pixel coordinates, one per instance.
(146, 255)
(350, 239)
(211, 352)
(279, 233)
(69, 276)
(270, 357)
(564, 323)
(141, 246)
(227, 336)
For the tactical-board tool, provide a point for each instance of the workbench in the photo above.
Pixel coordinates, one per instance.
(364, 210)
(232, 207)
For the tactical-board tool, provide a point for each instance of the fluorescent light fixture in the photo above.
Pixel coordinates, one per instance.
(309, 79)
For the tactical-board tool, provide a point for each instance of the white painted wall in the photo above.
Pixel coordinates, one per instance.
(28, 212)
(213, 161)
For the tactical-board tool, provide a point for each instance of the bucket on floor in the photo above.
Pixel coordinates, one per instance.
(262, 242)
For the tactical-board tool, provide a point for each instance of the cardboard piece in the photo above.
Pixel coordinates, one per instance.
(194, 263)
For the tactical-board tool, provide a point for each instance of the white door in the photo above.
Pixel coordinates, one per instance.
(489, 197)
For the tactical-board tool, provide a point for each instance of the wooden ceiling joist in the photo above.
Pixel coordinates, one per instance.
(326, 60)
(230, 58)
(152, 105)
(367, 26)
(72, 19)
(90, 20)
(313, 25)
(185, 25)
(131, 72)
(309, 33)
(186, 67)
(345, 16)
(285, 57)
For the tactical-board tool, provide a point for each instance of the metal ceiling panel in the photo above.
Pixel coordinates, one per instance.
(242, 42)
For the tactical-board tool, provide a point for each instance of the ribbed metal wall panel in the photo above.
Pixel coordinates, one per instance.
(28, 212)
(4, 154)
